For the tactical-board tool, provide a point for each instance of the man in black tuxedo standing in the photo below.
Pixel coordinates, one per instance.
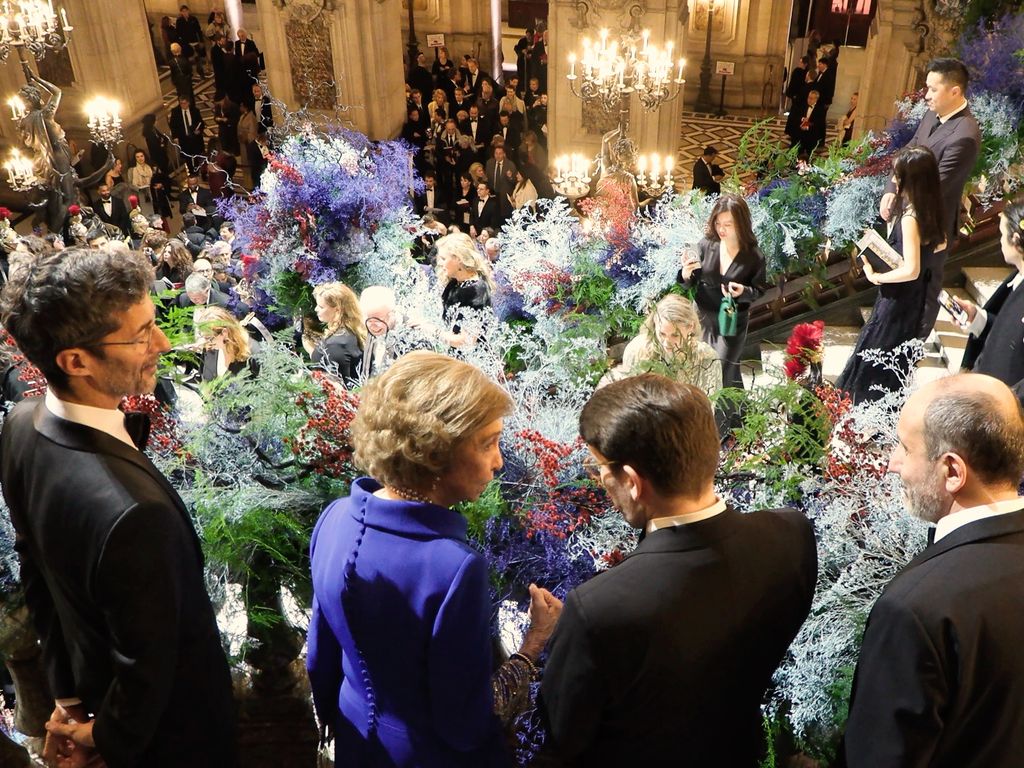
(664, 659)
(110, 562)
(825, 82)
(796, 86)
(479, 131)
(190, 35)
(811, 129)
(112, 210)
(707, 176)
(432, 200)
(483, 211)
(951, 132)
(501, 173)
(187, 127)
(262, 107)
(940, 679)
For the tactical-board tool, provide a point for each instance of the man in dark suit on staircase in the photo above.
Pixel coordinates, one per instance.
(940, 679)
(110, 562)
(996, 344)
(951, 132)
(664, 659)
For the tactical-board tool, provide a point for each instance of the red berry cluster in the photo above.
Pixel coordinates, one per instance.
(324, 443)
(864, 458)
(565, 510)
(164, 439)
(613, 558)
(28, 372)
(556, 508)
(548, 455)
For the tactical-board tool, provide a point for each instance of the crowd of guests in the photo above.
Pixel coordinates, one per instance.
(480, 143)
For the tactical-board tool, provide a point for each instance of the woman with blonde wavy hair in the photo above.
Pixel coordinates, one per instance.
(466, 276)
(669, 343)
(341, 348)
(227, 348)
(399, 651)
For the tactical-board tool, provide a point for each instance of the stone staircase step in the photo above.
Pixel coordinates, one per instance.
(981, 282)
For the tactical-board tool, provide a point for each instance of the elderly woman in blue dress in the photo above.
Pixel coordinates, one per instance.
(399, 642)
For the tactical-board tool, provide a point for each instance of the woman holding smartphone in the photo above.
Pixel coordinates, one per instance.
(916, 232)
(729, 263)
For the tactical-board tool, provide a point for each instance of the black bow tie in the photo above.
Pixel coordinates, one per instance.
(137, 426)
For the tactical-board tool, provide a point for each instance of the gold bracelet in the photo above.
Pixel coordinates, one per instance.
(534, 672)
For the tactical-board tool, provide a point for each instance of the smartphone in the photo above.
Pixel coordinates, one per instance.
(959, 313)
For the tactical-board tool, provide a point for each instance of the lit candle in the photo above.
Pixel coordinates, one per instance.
(669, 165)
(641, 164)
(572, 66)
(647, 35)
(64, 19)
(682, 63)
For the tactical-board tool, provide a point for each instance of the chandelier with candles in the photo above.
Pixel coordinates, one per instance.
(32, 25)
(608, 70)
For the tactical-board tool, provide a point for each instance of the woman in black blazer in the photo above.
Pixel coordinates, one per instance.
(341, 350)
(728, 261)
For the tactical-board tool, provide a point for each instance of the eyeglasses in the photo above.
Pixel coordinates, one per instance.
(146, 339)
(593, 467)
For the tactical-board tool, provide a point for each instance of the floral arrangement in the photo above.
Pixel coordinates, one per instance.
(804, 348)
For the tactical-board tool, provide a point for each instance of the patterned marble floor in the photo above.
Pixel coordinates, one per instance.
(700, 129)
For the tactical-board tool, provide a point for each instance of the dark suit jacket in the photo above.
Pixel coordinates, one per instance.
(956, 145)
(484, 134)
(704, 177)
(113, 577)
(489, 217)
(118, 214)
(249, 46)
(440, 201)
(940, 680)
(999, 351)
(194, 137)
(746, 269)
(204, 200)
(814, 134)
(795, 89)
(825, 82)
(664, 659)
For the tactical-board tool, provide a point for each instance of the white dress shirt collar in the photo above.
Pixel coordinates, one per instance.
(950, 523)
(690, 517)
(110, 421)
(945, 118)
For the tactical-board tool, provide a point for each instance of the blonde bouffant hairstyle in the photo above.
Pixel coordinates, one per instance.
(413, 417)
(460, 246)
(350, 317)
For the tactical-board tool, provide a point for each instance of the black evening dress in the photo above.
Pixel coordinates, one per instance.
(894, 320)
(461, 296)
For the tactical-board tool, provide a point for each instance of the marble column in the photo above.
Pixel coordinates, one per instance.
(894, 61)
(576, 127)
(328, 55)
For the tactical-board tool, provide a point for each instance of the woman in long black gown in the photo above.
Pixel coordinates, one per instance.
(917, 231)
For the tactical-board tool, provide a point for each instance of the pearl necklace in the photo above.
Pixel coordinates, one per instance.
(405, 493)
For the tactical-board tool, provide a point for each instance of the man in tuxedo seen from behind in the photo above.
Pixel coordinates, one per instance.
(665, 658)
(110, 562)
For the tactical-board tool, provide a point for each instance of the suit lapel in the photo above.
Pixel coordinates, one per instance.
(980, 530)
(1001, 294)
